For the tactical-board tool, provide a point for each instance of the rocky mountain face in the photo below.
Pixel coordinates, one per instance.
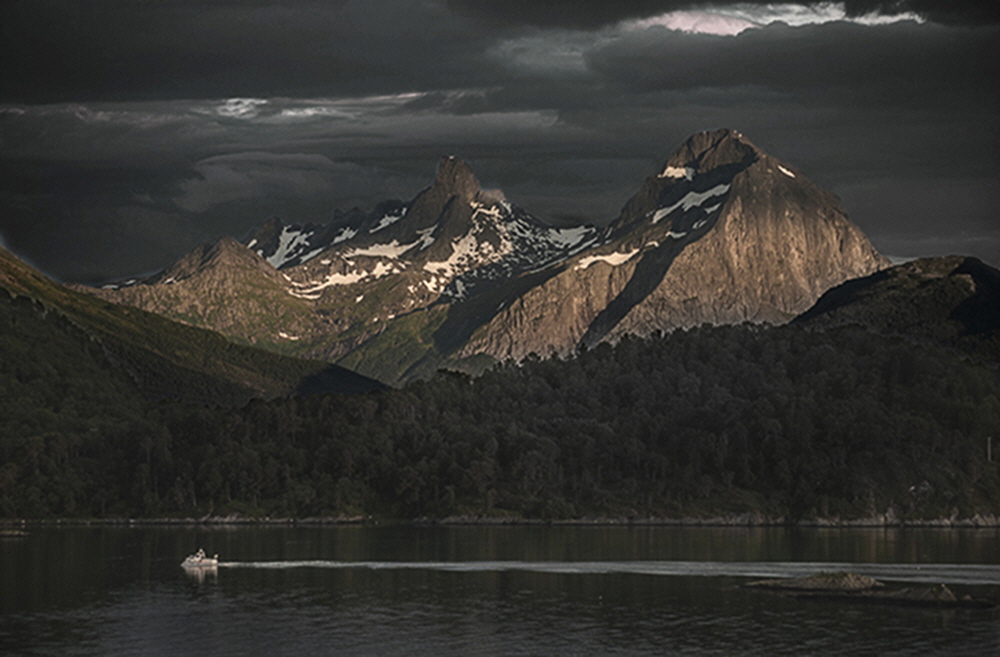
(723, 233)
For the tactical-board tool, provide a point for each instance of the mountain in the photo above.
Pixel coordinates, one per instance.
(461, 277)
(375, 289)
(723, 234)
(223, 286)
(952, 300)
(457, 239)
(162, 358)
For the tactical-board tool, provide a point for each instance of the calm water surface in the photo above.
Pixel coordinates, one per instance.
(400, 590)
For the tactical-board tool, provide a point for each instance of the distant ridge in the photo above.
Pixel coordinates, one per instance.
(950, 300)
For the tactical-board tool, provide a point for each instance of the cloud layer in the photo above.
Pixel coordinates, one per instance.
(142, 128)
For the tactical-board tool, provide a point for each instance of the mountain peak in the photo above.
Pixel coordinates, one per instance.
(226, 253)
(228, 249)
(708, 150)
(456, 176)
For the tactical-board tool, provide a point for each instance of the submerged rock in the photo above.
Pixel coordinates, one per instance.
(852, 587)
(820, 582)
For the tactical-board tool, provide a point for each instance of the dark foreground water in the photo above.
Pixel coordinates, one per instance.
(482, 591)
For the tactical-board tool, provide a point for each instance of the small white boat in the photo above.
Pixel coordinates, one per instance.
(199, 560)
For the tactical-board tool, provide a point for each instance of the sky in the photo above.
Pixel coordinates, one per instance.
(132, 130)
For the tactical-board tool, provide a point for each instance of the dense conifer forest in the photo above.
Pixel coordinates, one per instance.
(785, 422)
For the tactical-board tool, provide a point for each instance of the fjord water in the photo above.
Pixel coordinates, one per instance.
(476, 590)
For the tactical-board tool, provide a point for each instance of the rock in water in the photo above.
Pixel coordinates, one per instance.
(820, 582)
(855, 588)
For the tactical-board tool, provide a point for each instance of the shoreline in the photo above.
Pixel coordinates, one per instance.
(746, 520)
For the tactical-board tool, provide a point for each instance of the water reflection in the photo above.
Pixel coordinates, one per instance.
(476, 590)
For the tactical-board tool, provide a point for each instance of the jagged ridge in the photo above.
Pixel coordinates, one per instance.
(457, 237)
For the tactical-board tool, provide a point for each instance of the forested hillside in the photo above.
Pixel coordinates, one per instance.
(165, 359)
(782, 421)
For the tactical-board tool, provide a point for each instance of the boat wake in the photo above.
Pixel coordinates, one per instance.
(937, 573)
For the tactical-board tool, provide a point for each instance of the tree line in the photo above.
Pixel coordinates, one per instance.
(782, 421)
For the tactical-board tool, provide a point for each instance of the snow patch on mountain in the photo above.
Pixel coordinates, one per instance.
(466, 252)
(391, 250)
(678, 172)
(389, 220)
(289, 242)
(425, 238)
(312, 254)
(690, 200)
(298, 245)
(344, 235)
(313, 290)
(570, 237)
(460, 290)
(613, 259)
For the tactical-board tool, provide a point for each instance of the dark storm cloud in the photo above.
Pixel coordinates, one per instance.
(131, 130)
(78, 182)
(66, 50)
(224, 178)
(907, 64)
(906, 90)
(902, 97)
